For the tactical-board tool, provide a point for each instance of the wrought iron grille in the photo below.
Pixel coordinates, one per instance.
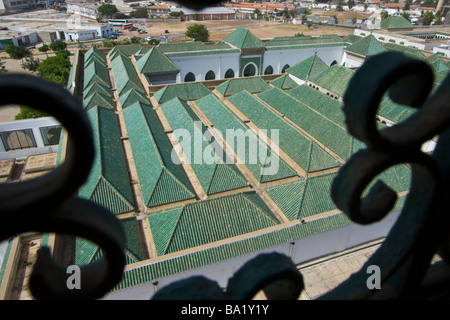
(50, 204)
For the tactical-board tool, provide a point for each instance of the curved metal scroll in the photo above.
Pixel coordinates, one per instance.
(49, 204)
(422, 226)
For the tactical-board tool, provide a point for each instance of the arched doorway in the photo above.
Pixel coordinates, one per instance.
(269, 70)
(210, 75)
(229, 74)
(286, 66)
(189, 77)
(249, 70)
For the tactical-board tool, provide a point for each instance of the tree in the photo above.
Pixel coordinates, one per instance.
(120, 15)
(18, 52)
(427, 18)
(58, 45)
(405, 15)
(107, 10)
(31, 64)
(139, 13)
(438, 17)
(351, 3)
(55, 69)
(135, 39)
(197, 32)
(44, 48)
(384, 15)
(29, 113)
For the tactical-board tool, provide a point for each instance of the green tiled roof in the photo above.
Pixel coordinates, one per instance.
(296, 42)
(309, 67)
(318, 126)
(213, 177)
(94, 51)
(243, 39)
(396, 22)
(284, 82)
(161, 179)
(188, 47)
(288, 197)
(235, 85)
(437, 63)
(351, 38)
(88, 252)
(323, 104)
(125, 76)
(94, 58)
(334, 79)
(108, 183)
(132, 96)
(96, 72)
(367, 46)
(96, 87)
(392, 111)
(184, 91)
(155, 61)
(224, 119)
(126, 50)
(295, 144)
(208, 221)
(412, 52)
(157, 270)
(98, 100)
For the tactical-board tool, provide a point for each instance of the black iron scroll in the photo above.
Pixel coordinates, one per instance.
(49, 204)
(423, 225)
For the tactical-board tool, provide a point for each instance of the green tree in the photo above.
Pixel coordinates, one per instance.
(31, 64)
(197, 32)
(438, 18)
(58, 45)
(139, 13)
(55, 69)
(427, 18)
(351, 3)
(107, 10)
(44, 48)
(384, 15)
(29, 113)
(18, 52)
(406, 15)
(120, 15)
(135, 39)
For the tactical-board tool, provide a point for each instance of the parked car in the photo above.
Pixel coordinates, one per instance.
(148, 38)
(163, 36)
(141, 31)
(112, 36)
(133, 29)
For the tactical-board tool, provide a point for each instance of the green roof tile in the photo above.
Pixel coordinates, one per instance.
(155, 61)
(294, 143)
(327, 132)
(396, 22)
(184, 91)
(284, 82)
(367, 46)
(309, 67)
(235, 85)
(214, 177)
(223, 120)
(243, 39)
(132, 96)
(412, 52)
(208, 221)
(96, 87)
(125, 75)
(98, 100)
(108, 183)
(161, 179)
(96, 72)
(334, 79)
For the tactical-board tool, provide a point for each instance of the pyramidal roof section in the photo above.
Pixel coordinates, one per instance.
(284, 82)
(367, 46)
(310, 67)
(155, 61)
(243, 39)
(396, 22)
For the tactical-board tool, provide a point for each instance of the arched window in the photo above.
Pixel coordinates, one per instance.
(210, 75)
(333, 63)
(249, 70)
(286, 66)
(189, 77)
(229, 74)
(269, 70)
